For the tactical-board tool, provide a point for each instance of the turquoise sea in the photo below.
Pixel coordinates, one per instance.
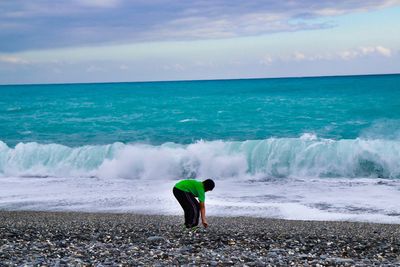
(302, 148)
(188, 111)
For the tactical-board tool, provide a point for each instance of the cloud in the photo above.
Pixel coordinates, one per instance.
(266, 60)
(299, 56)
(229, 27)
(174, 67)
(348, 54)
(365, 51)
(13, 60)
(43, 24)
(383, 51)
(93, 68)
(99, 3)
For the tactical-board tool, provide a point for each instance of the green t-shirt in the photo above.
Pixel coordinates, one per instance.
(192, 186)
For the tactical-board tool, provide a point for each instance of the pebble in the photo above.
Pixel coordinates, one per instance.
(81, 239)
(154, 239)
(186, 249)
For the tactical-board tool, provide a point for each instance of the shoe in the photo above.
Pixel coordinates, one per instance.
(194, 229)
(189, 229)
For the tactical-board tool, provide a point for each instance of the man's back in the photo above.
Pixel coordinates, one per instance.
(192, 186)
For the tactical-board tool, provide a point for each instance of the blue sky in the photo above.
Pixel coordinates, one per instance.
(47, 41)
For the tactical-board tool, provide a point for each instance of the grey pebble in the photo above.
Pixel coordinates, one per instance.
(213, 263)
(80, 239)
(156, 239)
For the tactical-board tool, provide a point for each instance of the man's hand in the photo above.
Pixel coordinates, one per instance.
(203, 214)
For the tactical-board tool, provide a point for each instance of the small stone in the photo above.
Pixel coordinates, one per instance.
(277, 250)
(340, 260)
(302, 256)
(155, 239)
(272, 254)
(186, 249)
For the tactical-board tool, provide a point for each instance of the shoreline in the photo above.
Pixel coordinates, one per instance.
(150, 214)
(110, 239)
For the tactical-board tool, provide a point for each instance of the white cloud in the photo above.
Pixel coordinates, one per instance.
(93, 68)
(365, 51)
(13, 60)
(219, 21)
(99, 3)
(383, 51)
(174, 67)
(329, 12)
(266, 60)
(298, 56)
(204, 63)
(88, 22)
(348, 54)
(247, 24)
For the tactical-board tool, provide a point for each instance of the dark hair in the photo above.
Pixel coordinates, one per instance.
(208, 185)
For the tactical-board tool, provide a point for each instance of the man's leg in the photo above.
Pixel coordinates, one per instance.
(189, 205)
(194, 213)
(185, 204)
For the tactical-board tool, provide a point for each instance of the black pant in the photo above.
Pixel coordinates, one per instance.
(190, 206)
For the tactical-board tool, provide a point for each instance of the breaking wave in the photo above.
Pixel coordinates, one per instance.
(306, 157)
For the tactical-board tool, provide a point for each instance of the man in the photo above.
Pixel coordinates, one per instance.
(185, 192)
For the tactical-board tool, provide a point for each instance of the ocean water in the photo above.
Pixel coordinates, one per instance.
(324, 148)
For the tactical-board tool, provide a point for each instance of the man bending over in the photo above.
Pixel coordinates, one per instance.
(185, 192)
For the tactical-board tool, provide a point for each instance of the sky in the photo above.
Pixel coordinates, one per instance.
(47, 41)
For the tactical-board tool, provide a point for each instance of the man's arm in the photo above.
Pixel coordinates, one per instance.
(203, 214)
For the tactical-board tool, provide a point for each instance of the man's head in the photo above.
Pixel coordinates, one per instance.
(208, 185)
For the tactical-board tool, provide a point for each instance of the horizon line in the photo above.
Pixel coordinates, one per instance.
(207, 80)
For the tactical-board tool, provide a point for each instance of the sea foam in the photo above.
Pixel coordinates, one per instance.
(304, 157)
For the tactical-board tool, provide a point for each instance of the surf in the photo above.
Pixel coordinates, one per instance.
(306, 157)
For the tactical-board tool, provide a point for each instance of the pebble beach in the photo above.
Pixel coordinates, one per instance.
(104, 239)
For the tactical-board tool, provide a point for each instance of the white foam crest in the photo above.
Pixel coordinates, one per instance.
(42, 160)
(205, 159)
(307, 156)
(188, 120)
